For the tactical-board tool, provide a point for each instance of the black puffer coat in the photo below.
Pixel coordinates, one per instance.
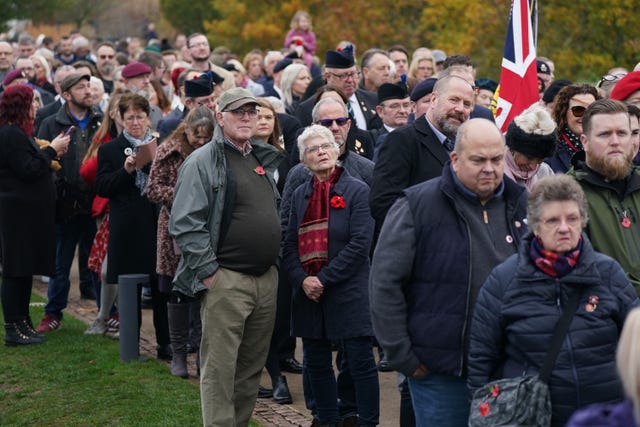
(515, 316)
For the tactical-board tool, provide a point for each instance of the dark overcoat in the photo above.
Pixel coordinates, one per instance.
(133, 218)
(27, 205)
(343, 309)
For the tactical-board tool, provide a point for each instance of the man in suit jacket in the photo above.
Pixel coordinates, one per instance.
(393, 109)
(341, 73)
(417, 152)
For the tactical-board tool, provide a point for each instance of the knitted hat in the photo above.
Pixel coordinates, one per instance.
(340, 58)
(530, 144)
(135, 69)
(626, 86)
(423, 88)
(391, 91)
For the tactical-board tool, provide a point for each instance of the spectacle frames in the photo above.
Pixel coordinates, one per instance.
(316, 148)
(610, 78)
(239, 113)
(107, 56)
(578, 110)
(343, 77)
(340, 121)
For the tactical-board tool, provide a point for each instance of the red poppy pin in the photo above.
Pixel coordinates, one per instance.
(592, 304)
(484, 409)
(259, 170)
(337, 202)
(495, 390)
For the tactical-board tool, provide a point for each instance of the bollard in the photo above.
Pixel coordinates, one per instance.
(128, 295)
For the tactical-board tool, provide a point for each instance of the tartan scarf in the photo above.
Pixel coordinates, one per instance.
(553, 263)
(313, 233)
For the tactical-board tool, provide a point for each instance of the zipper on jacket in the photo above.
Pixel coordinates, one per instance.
(567, 340)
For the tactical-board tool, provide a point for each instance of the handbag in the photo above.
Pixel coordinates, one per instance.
(523, 401)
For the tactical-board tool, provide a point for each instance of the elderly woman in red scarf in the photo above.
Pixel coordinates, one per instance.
(326, 254)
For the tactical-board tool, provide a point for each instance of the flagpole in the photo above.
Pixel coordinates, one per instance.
(534, 22)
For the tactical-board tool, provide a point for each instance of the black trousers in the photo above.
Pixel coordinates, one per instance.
(15, 294)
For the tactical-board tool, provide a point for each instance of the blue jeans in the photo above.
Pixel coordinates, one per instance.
(358, 354)
(440, 400)
(68, 235)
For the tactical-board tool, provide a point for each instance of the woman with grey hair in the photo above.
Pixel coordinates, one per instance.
(293, 83)
(519, 306)
(326, 255)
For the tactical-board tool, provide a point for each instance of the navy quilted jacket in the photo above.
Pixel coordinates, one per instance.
(515, 316)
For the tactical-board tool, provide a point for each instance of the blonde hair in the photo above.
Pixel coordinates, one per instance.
(296, 19)
(536, 120)
(628, 359)
(415, 62)
(289, 76)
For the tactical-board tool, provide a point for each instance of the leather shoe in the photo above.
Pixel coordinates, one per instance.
(291, 365)
(264, 393)
(281, 392)
(383, 365)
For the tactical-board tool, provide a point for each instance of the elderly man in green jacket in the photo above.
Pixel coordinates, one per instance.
(225, 222)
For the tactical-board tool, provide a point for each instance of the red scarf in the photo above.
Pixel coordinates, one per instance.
(313, 233)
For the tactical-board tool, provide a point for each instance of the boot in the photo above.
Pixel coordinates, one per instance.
(14, 336)
(26, 327)
(178, 315)
(281, 392)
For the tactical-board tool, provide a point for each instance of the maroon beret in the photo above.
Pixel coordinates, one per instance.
(626, 86)
(135, 69)
(11, 76)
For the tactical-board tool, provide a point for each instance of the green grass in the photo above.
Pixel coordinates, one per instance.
(77, 380)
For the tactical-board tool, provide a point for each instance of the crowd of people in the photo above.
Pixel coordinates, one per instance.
(355, 204)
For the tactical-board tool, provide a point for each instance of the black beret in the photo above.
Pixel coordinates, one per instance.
(282, 64)
(543, 67)
(487, 84)
(423, 88)
(551, 92)
(391, 91)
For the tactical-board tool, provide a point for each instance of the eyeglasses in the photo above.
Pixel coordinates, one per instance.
(316, 148)
(397, 106)
(340, 121)
(609, 78)
(199, 44)
(555, 222)
(107, 56)
(578, 110)
(344, 77)
(239, 112)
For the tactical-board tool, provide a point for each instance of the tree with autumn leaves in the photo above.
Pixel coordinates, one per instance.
(584, 38)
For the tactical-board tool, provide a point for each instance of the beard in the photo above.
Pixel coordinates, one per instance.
(106, 69)
(448, 128)
(612, 169)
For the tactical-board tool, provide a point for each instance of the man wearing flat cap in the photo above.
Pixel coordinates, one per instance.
(394, 107)
(137, 78)
(74, 224)
(225, 221)
(340, 72)
(201, 91)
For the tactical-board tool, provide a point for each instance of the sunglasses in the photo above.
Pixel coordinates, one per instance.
(340, 121)
(578, 110)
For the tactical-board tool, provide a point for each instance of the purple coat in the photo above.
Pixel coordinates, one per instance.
(604, 415)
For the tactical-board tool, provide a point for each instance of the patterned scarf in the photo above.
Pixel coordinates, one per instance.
(553, 263)
(313, 233)
(141, 177)
(569, 141)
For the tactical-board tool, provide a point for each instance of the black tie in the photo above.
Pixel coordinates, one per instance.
(448, 144)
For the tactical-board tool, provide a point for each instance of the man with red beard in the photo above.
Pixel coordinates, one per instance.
(417, 152)
(74, 224)
(611, 184)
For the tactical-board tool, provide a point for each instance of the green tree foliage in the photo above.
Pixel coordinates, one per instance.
(189, 17)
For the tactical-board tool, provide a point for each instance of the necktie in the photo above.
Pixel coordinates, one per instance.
(448, 144)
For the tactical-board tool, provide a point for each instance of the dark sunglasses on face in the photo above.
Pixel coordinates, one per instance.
(578, 110)
(340, 121)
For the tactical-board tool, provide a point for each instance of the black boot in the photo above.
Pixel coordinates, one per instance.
(26, 327)
(14, 336)
(178, 315)
(281, 392)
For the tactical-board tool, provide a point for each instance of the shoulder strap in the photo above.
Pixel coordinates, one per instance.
(561, 331)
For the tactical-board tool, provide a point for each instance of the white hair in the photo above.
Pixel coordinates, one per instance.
(289, 76)
(315, 131)
(536, 120)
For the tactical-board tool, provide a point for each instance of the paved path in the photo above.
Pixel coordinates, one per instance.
(267, 412)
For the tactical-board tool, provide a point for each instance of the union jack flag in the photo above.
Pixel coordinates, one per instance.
(518, 78)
